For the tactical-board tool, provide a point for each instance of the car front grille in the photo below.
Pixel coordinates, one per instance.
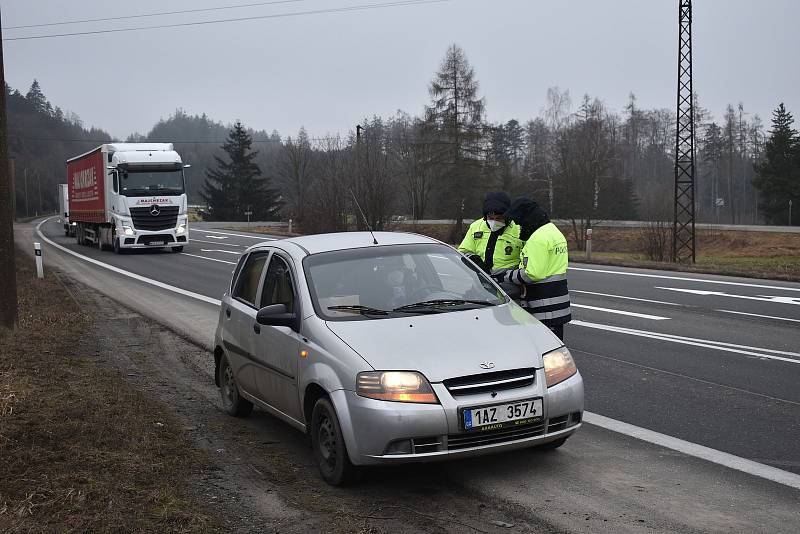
(488, 382)
(465, 440)
(143, 220)
(478, 439)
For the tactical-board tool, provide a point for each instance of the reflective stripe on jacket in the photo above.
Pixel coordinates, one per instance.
(543, 273)
(505, 242)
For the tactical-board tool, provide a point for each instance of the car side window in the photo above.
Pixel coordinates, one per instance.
(278, 287)
(247, 283)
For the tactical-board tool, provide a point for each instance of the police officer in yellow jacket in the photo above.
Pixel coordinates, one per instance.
(542, 271)
(492, 242)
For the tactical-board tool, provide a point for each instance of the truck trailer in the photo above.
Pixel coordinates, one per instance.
(128, 196)
(63, 210)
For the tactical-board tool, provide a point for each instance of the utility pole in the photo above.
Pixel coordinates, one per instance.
(27, 211)
(8, 272)
(683, 238)
(13, 190)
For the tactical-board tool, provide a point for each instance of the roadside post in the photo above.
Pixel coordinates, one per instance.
(589, 244)
(248, 213)
(37, 250)
(290, 226)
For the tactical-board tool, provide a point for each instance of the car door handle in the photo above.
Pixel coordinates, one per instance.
(257, 328)
(228, 312)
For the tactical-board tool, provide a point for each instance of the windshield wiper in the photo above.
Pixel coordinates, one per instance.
(437, 303)
(363, 310)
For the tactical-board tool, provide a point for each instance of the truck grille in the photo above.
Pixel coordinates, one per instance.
(486, 382)
(143, 220)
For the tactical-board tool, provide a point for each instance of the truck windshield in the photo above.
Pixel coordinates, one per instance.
(145, 183)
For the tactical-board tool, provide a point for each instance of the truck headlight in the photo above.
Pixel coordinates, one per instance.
(181, 228)
(558, 366)
(398, 386)
(127, 230)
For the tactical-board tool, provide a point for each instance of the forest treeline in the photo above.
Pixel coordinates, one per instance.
(579, 159)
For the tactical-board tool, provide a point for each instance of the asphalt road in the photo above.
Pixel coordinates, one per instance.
(708, 359)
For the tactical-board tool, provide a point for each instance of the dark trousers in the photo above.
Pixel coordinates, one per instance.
(558, 330)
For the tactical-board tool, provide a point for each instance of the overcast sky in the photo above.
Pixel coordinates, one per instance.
(328, 71)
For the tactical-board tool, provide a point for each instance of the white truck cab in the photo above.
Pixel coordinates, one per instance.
(141, 203)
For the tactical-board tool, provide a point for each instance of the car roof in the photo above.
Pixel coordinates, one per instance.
(313, 244)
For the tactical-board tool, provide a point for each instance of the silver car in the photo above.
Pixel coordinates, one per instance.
(387, 350)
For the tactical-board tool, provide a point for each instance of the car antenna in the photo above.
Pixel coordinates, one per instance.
(374, 241)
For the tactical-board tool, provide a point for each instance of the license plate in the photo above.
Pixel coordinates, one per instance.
(156, 243)
(502, 415)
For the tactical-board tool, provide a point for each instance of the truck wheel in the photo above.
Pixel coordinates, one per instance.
(233, 403)
(177, 249)
(117, 248)
(66, 230)
(328, 444)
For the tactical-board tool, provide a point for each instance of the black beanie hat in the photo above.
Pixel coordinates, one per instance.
(496, 202)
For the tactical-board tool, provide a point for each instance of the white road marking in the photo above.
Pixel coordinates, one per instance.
(258, 238)
(716, 345)
(759, 315)
(123, 272)
(683, 279)
(698, 451)
(691, 449)
(622, 297)
(218, 250)
(621, 312)
(216, 243)
(207, 258)
(763, 298)
(215, 237)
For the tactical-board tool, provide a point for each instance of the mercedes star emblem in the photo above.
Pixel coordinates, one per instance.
(155, 210)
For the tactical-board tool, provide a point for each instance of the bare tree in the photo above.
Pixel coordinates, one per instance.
(295, 174)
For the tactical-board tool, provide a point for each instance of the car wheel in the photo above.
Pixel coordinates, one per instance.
(233, 403)
(552, 445)
(327, 442)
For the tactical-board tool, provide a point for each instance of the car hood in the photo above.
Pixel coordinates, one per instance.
(452, 344)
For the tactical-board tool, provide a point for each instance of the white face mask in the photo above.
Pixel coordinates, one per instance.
(495, 225)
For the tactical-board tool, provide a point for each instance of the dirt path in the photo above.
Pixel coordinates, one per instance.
(264, 478)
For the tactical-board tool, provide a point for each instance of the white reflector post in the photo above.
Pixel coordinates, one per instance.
(589, 244)
(37, 250)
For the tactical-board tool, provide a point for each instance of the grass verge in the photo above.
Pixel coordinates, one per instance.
(80, 449)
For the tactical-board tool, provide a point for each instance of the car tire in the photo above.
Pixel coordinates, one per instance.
(551, 445)
(232, 401)
(177, 249)
(330, 451)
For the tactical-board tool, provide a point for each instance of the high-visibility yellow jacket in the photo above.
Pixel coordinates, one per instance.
(504, 245)
(543, 273)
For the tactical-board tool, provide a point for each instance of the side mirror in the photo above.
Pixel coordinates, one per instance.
(277, 315)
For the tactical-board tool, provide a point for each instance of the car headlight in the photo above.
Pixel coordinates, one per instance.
(127, 230)
(558, 366)
(399, 386)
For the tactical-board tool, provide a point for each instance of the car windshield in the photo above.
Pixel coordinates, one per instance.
(145, 183)
(394, 281)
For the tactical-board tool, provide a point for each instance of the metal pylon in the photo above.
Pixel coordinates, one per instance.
(683, 239)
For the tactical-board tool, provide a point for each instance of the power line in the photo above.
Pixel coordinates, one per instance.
(159, 14)
(362, 7)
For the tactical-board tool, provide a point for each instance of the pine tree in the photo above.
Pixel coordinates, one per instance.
(237, 186)
(778, 178)
(36, 98)
(456, 116)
